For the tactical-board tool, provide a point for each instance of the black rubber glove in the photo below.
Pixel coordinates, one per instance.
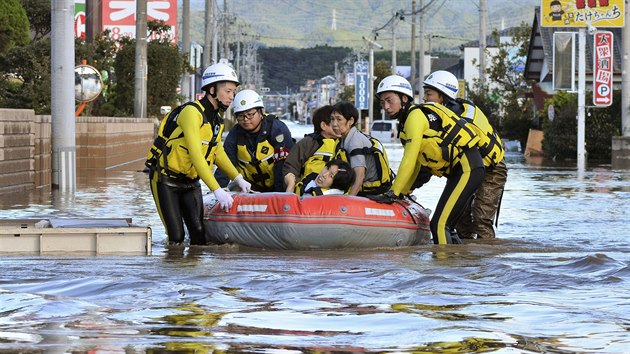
(388, 198)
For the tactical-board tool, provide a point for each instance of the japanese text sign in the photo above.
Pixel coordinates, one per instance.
(581, 13)
(603, 68)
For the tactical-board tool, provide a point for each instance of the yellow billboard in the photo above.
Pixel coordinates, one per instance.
(580, 13)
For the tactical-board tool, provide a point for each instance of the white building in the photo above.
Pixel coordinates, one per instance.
(471, 55)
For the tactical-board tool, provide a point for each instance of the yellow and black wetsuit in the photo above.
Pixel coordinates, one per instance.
(490, 144)
(436, 139)
(188, 144)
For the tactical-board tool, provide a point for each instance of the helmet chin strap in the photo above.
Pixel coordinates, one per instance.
(401, 115)
(403, 106)
(222, 106)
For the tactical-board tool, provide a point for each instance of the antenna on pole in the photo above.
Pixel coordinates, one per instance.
(372, 43)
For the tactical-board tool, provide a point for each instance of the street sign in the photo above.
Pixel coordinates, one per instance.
(79, 19)
(581, 13)
(361, 85)
(603, 68)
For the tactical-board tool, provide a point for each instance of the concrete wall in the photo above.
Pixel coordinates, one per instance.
(103, 144)
(43, 152)
(17, 148)
(621, 152)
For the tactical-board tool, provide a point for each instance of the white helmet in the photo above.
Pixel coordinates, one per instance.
(246, 100)
(443, 81)
(217, 73)
(395, 83)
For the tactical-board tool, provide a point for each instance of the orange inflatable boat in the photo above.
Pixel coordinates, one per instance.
(286, 221)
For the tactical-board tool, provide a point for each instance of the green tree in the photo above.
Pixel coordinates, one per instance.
(165, 65)
(560, 133)
(14, 28)
(24, 64)
(347, 94)
(164, 62)
(290, 67)
(28, 83)
(39, 16)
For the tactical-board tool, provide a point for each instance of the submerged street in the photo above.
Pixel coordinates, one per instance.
(555, 280)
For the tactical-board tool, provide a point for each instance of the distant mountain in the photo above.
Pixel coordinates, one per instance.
(306, 23)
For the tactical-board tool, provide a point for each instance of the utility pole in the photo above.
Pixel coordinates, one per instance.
(621, 144)
(226, 45)
(62, 96)
(93, 20)
(581, 117)
(371, 45)
(186, 48)
(215, 41)
(238, 49)
(140, 83)
(336, 82)
(482, 44)
(421, 69)
(207, 49)
(625, 79)
(394, 22)
(413, 44)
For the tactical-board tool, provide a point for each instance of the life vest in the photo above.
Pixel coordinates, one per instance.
(301, 189)
(383, 171)
(257, 166)
(490, 145)
(325, 153)
(446, 140)
(169, 155)
(301, 186)
(316, 163)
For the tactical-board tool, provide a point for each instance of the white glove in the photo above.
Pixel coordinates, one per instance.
(243, 184)
(224, 198)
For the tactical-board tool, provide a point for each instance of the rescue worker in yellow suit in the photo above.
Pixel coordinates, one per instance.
(434, 138)
(187, 146)
(441, 87)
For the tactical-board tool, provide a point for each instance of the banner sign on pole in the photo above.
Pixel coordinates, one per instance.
(361, 85)
(79, 19)
(603, 68)
(119, 16)
(580, 13)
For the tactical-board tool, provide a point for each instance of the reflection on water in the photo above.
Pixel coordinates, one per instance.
(556, 281)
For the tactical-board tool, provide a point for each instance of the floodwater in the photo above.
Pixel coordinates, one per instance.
(557, 280)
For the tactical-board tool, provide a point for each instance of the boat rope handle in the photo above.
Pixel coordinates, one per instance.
(409, 211)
